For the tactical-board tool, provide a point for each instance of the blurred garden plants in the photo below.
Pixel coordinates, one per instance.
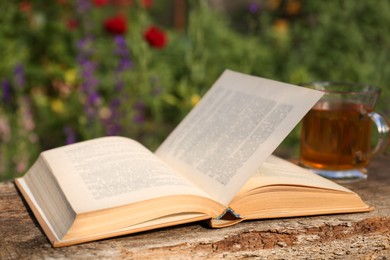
(76, 70)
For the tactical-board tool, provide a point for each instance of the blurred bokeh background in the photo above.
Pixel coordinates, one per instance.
(75, 70)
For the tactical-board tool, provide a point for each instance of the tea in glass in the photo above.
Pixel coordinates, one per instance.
(336, 132)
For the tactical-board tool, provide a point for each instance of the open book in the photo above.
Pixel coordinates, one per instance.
(217, 165)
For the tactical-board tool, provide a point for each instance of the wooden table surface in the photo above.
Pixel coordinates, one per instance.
(345, 236)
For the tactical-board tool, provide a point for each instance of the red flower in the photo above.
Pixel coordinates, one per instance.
(116, 25)
(100, 2)
(155, 37)
(25, 6)
(72, 24)
(147, 3)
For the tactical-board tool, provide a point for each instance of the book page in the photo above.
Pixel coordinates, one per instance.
(233, 129)
(277, 171)
(113, 171)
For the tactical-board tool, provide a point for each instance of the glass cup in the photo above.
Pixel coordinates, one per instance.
(336, 135)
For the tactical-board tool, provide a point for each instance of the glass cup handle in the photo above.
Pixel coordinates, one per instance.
(383, 127)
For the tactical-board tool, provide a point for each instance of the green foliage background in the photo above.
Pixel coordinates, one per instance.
(293, 41)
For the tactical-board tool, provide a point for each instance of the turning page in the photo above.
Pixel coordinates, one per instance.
(237, 125)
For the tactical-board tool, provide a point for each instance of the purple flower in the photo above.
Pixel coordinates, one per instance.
(139, 119)
(88, 65)
(113, 129)
(123, 54)
(85, 48)
(19, 76)
(83, 6)
(124, 64)
(89, 82)
(93, 97)
(121, 49)
(5, 92)
(113, 122)
(115, 103)
(70, 135)
(139, 116)
(254, 8)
